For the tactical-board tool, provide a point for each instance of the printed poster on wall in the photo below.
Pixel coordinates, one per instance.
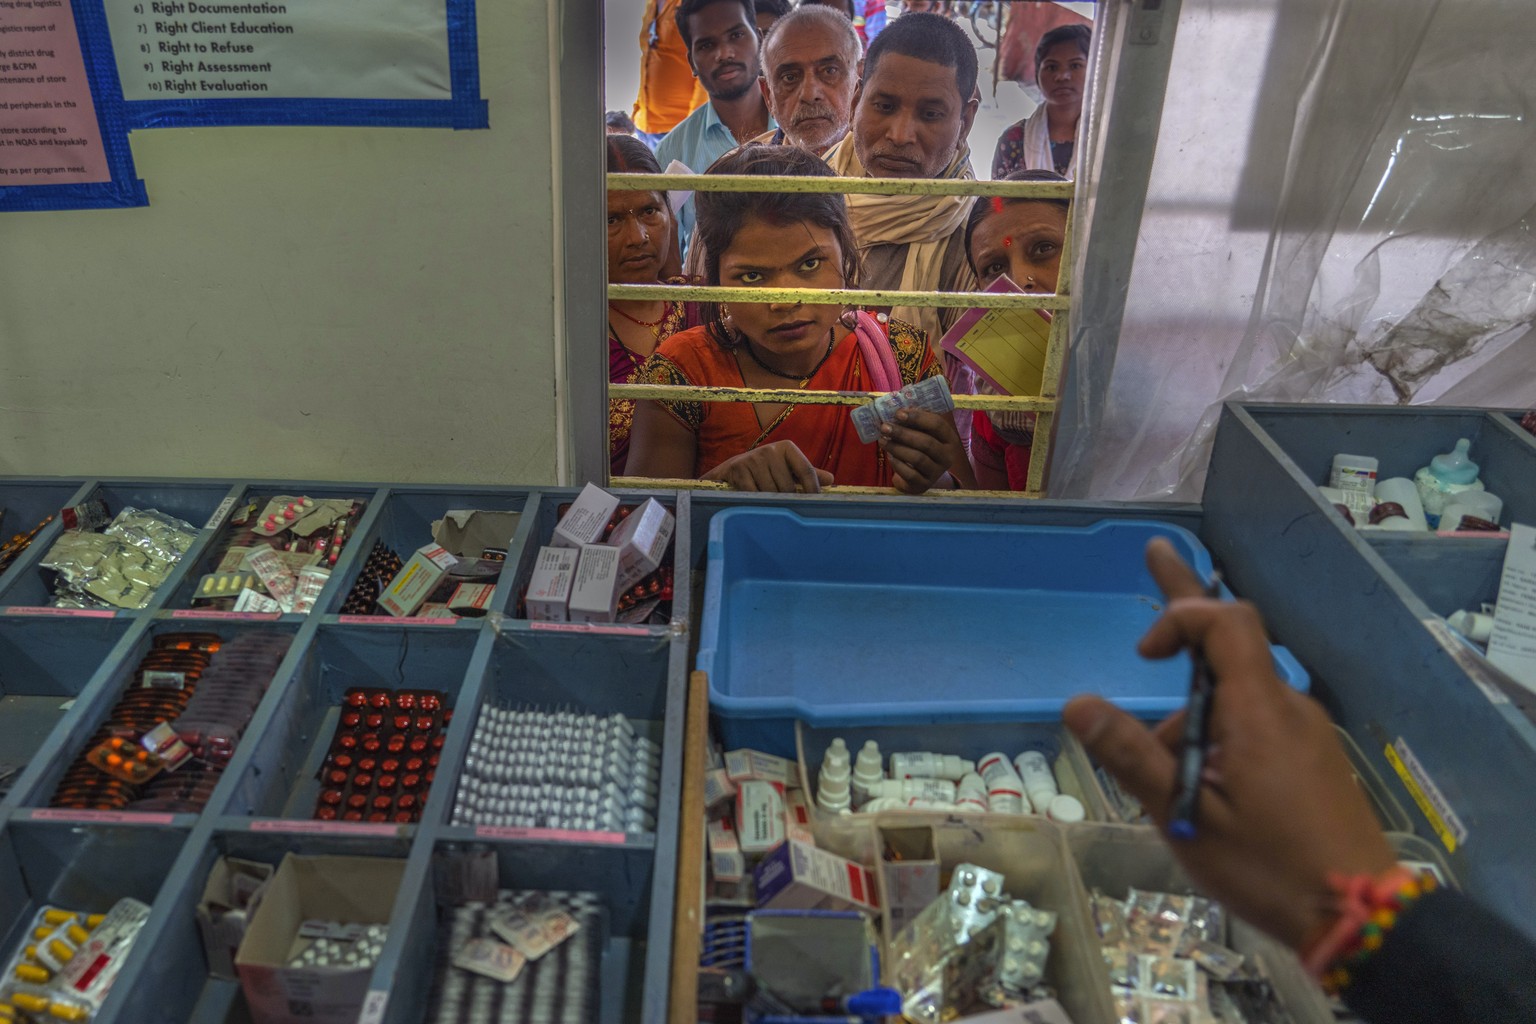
(77, 75)
(55, 151)
(231, 62)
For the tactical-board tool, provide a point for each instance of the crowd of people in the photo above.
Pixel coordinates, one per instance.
(823, 88)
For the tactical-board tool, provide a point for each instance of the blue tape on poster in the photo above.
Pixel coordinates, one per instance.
(465, 110)
(124, 189)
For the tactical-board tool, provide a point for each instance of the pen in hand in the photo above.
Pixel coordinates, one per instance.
(1197, 731)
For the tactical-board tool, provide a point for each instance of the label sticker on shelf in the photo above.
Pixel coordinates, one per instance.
(591, 627)
(554, 835)
(331, 828)
(99, 817)
(383, 620)
(219, 514)
(71, 613)
(1437, 810)
(1478, 668)
(374, 1006)
(198, 613)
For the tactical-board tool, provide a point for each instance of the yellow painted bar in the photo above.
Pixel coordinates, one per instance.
(795, 396)
(839, 296)
(678, 484)
(853, 186)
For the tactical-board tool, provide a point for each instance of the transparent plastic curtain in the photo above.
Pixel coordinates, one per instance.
(1341, 209)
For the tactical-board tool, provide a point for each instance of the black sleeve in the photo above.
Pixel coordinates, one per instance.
(1448, 961)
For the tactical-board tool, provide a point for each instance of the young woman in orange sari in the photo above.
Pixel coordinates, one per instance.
(788, 240)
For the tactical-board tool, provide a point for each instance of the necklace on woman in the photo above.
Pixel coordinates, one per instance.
(654, 326)
(803, 379)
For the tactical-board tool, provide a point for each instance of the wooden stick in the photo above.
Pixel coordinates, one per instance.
(687, 920)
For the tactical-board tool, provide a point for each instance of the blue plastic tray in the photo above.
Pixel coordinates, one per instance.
(863, 622)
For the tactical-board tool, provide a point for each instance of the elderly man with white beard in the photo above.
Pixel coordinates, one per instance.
(810, 68)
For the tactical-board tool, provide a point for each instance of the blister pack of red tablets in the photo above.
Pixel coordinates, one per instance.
(166, 742)
(383, 756)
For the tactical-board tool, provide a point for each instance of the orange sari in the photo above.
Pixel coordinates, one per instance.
(824, 433)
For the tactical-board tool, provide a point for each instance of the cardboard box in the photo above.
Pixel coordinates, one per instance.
(595, 592)
(416, 581)
(759, 816)
(718, 788)
(642, 541)
(754, 764)
(472, 600)
(469, 533)
(352, 890)
(233, 892)
(797, 817)
(726, 863)
(798, 876)
(912, 882)
(587, 518)
(549, 588)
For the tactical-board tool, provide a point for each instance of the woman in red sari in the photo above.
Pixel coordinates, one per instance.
(788, 240)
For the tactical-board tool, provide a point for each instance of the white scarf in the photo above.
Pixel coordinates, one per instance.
(923, 223)
(1037, 145)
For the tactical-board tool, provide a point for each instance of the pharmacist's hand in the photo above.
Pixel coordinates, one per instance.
(780, 466)
(923, 446)
(1279, 810)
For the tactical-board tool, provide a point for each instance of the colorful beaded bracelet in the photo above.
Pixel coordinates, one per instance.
(1368, 907)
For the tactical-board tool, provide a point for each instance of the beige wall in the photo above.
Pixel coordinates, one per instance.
(302, 302)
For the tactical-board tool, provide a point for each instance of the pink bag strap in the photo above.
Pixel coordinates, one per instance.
(875, 347)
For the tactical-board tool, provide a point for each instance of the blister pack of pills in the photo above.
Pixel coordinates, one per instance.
(68, 962)
(483, 979)
(18, 544)
(277, 554)
(383, 755)
(120, 567)
(930, 395)
(972, 948)
(323, 944)
(1168, 961)
(560, 770)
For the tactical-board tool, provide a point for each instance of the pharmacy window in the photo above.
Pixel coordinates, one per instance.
(839, 241)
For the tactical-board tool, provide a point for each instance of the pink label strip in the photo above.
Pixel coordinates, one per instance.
(197, 613)
(101, 817)
(554, 835)
(332, 828)
(71, 613)
(381, 620)
(591, 627)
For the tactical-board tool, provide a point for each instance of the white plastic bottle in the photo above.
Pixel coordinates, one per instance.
(1039, 782)
(971, 794)
(1005, 790)
(923, 765)
(1065, 810)
(832, 791)
(939, 791)
(1355, 475)
(1401, 492)
(867, 772)
(1446, 476)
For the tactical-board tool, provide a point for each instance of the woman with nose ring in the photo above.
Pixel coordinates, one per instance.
(1020, 239)
(642, 244)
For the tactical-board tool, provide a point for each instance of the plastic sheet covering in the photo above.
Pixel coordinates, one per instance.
(1341, 209)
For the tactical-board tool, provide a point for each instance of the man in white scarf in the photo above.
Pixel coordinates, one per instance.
(911, 116)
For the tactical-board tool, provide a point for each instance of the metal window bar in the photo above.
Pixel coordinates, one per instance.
(1044, 406)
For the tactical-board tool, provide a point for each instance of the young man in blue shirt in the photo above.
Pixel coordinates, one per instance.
(722, 44)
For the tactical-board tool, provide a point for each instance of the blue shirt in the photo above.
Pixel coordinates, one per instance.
(698, 140)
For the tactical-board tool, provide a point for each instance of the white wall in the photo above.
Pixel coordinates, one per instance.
(302, 302)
